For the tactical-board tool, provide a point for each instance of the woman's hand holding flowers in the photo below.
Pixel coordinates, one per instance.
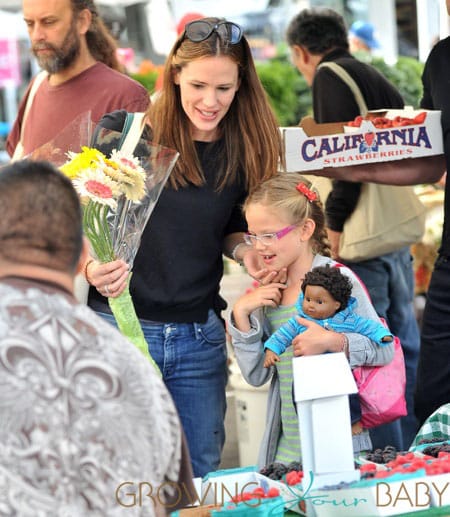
(110, 279)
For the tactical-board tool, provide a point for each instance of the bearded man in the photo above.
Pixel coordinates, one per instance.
(81, 73)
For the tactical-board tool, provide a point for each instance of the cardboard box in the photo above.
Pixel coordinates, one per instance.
(394, 495)
(312, 146)
(270, 507)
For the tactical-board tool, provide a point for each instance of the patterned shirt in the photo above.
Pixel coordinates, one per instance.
(83, 416)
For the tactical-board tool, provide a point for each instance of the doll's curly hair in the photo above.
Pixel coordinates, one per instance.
(330, 278)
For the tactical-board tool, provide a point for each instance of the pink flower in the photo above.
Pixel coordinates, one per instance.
(98, 189)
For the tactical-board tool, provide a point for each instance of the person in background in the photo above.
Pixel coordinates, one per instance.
(361, 36)
(77, 422)
(221, 122)
(318, 36)
(188, 17)
(286, 226)
(433, 374)
(81, 73)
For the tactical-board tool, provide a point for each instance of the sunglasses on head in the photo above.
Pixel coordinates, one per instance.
(199, 30)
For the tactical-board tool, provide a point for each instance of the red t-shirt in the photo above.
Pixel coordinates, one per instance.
(99, 89)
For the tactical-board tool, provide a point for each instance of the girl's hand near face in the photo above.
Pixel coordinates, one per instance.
(315, 339)
(263, 296)
(256, 269)
(266, 277)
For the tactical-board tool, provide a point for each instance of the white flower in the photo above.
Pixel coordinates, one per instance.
(94, 185)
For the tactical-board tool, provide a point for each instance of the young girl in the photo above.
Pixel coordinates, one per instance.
(286, 227)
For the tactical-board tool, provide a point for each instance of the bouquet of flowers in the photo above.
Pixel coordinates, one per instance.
(118, 194)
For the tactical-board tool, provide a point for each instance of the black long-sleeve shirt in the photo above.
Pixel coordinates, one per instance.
(436, 88)
(333, 101)
(178, 268)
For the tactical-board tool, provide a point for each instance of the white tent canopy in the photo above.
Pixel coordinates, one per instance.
(12, 25)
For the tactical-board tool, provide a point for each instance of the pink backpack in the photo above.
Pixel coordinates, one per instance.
(381, 389)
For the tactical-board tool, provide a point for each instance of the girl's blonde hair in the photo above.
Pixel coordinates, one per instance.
(282, 194)
(252, 141)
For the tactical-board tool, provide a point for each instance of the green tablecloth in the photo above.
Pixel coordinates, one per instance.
(435, 426)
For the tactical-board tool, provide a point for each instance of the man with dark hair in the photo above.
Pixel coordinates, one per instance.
(316, 37)
(77, 422)
(41, 222)
(78, 56)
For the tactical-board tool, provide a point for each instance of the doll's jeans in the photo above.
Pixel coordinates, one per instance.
(390, 282)
(193, 360)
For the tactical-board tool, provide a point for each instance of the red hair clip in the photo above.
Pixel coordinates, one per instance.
(309, 194)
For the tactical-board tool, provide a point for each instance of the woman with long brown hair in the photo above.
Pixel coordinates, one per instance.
(214, 111)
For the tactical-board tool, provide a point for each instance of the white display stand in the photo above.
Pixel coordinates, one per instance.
(322, 384)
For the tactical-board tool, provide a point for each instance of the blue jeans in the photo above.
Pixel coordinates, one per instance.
(193, 360)
(433, 374)
(390, 282)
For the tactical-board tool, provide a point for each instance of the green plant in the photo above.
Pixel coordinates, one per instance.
(288, 92)
(290, 95)
(405, 74)
(147, 79)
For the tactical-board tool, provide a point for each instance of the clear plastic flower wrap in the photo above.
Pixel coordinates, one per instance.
(118, 192)
(78, 133)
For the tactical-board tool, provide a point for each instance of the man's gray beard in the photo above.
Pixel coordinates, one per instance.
(64, 56)
(60, 61)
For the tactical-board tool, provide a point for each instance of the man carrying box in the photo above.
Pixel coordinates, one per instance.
(316, 37)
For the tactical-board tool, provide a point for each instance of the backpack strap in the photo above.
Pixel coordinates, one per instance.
(363, 285)
(18, 151)
(350, 82)
(132, 132)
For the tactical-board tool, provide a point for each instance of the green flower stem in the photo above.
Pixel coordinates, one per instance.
(124, 312)
(95, 226)
(96, 229)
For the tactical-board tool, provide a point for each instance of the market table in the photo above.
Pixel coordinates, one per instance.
(442, 511)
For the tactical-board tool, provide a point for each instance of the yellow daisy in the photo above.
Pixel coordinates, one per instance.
(81, 161)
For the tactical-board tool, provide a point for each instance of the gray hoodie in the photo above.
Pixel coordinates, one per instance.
(249, 351)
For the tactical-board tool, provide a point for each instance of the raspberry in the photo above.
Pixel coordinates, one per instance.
(273, 492)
